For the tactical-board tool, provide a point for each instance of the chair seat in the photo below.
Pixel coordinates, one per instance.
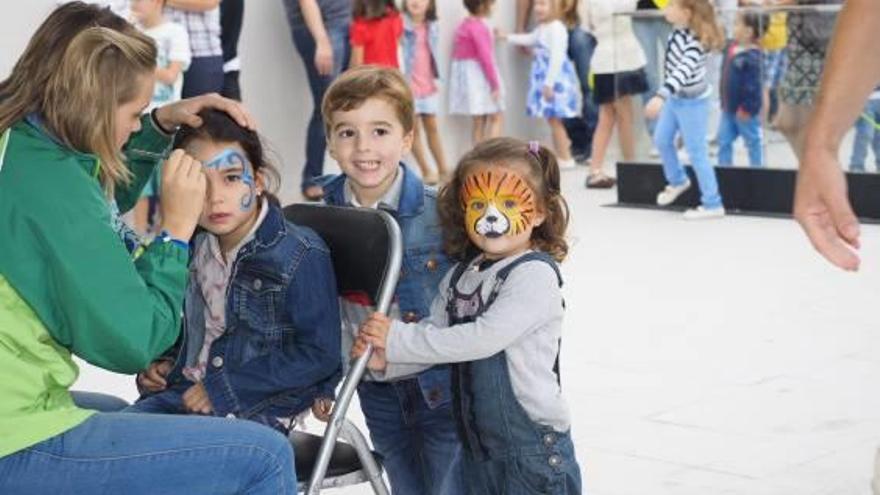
(306, 446)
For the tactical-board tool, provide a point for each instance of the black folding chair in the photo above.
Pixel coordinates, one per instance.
(367, 250)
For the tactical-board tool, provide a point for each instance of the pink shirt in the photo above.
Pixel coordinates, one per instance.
(474, 41)
(422, 77)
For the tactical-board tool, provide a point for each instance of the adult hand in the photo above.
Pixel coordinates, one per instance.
(322, 409)
(822, 208)
(173, 115)
(183, 194)
(196, 400)
(153, 378)
(324, 58)
(652, 109)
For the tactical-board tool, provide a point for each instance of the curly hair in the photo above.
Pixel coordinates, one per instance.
(543, 176)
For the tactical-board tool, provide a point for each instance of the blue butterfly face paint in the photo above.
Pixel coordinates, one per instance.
(231, 158)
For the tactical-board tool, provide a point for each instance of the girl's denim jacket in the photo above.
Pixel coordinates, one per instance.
(424, 265)
(282, 340)
(408, 44)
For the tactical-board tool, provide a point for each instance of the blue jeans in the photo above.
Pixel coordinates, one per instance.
(732, 127)
(690, 116)
(97, 401)
(652, 33)
(205, 75)
(580, 129)
(866, 134)
(145, 454)
(316, 141)
(419, 445)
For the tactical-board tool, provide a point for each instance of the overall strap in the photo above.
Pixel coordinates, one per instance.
(457, 273)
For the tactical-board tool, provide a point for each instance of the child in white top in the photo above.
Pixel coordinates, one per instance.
(554, 88)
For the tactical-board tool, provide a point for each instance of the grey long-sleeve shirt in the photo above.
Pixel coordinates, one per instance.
(525, 321)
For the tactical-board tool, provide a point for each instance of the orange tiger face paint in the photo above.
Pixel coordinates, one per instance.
(498, 202)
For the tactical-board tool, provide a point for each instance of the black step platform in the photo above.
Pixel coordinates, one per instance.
(760, 191)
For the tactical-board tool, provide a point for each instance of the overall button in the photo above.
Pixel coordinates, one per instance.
(554, 460)
(258, 284)
(431, 265)
(410, 317)
(217, 362)
(549, 439)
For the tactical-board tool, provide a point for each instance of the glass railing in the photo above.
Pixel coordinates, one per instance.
(761, 83)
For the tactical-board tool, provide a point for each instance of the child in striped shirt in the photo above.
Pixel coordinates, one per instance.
(682, 104)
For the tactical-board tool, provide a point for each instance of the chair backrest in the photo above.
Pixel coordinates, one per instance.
(360, 243)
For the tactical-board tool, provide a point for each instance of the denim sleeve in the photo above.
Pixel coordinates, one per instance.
(314, 358)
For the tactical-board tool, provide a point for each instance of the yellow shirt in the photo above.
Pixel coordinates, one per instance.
(777, 33)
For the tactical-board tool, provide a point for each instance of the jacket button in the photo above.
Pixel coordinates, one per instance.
(217, 362)
(549, 439)
(258, 284)
(410, 317)
(554, 460)
(431, 265)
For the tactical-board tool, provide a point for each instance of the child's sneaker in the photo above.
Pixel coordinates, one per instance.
(701, 213)
(668, 195)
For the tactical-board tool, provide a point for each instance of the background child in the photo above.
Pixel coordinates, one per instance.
(375, 33)
(867, 133)
(499, 316)
(475, 86)
(274, 281)
(581, 46)
(368, 114)
(554, 87)
(619, 73)
(682, 103)
(172, 45)
(741, 90)
(205, 73)
(420, 39)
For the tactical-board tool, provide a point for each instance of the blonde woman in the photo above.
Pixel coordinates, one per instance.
(69, 287)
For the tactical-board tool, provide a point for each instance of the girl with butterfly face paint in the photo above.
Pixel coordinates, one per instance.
(253, 271)
(498, 319)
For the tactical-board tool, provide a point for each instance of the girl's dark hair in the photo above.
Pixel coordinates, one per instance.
(373, 9)
(543, 176)
(478, 7)
(757, 22)
(219, 126)
(430, 15)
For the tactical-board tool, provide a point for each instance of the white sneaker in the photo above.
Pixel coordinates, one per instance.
(700, 213)
(567, 164)
(668, 195)
(654, 152)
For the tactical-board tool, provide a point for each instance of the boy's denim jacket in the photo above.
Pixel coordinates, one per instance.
(282, 339)
(408, 45)
(424, 264)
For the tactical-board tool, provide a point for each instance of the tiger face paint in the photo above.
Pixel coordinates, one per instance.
(498, 202)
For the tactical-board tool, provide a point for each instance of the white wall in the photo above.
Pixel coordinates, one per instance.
(275, 86)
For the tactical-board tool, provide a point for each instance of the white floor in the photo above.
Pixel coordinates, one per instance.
(708, 358)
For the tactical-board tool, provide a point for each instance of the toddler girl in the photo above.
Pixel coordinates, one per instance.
(475, 87)
(498, 316)
(554, 88)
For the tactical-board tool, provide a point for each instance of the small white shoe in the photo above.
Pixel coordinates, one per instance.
(700, 213)
(668, 195)
(567, 164)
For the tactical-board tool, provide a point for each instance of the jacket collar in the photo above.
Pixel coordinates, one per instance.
(412, 196)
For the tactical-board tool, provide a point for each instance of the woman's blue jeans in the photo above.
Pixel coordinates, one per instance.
(690, 116)
(144, 454)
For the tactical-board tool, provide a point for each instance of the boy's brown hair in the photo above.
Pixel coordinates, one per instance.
(355, 86)
(542, 176)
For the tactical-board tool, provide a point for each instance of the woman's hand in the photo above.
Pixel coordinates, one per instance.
(173, 115)
(322, 409)
(652, 109)
(183, 195)
(196, 400)
(152, 379)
